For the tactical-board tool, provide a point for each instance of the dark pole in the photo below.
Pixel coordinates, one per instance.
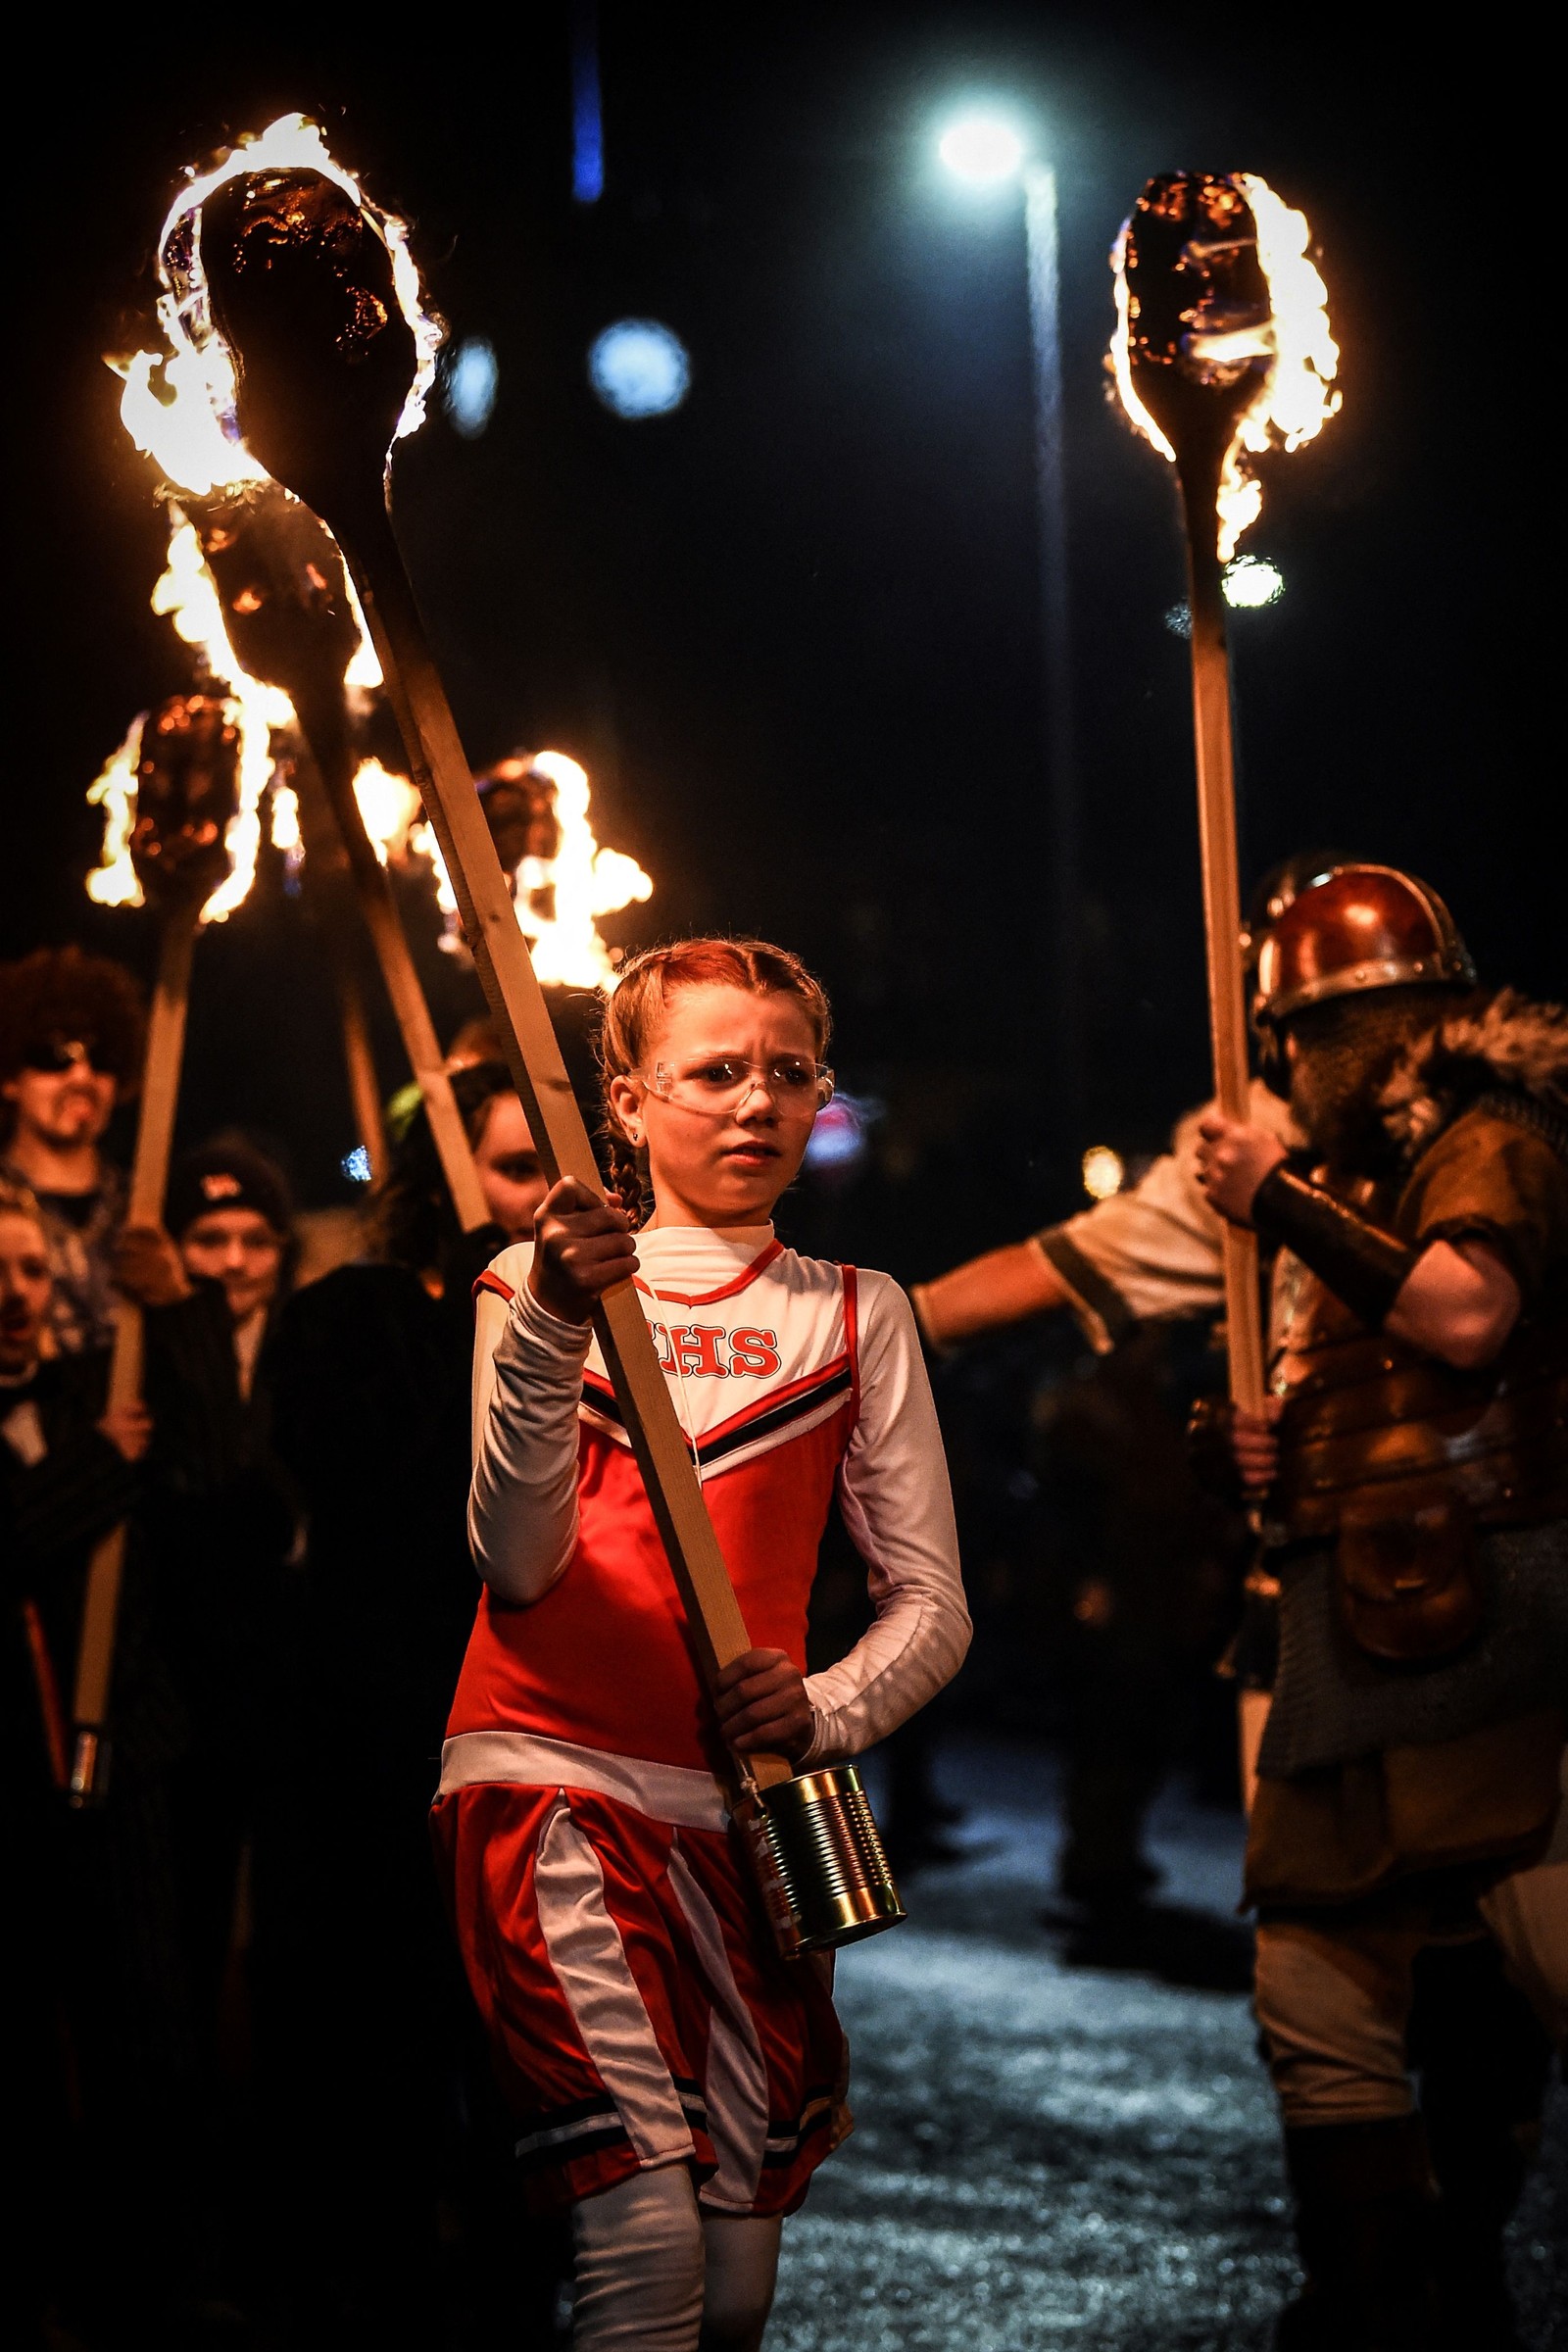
(1064, 891)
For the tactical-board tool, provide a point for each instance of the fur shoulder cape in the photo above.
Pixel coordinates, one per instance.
(1490, 1044)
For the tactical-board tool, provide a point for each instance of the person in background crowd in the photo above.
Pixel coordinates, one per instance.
(96, 2056)
(218, 1525)
(71, 1047)
(69, 1475)
(372, 1374)
(1140, 1564)
(1414, 1478)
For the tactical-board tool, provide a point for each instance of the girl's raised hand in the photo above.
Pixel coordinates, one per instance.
(582, 1247)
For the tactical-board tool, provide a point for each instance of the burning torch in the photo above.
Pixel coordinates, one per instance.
(298, 302)
(187, 797)
(1221, 351)
(291, 620)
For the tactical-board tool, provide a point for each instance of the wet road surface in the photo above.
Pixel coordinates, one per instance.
(1064, 2140)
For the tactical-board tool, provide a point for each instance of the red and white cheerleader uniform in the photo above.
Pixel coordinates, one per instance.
(636, 2006)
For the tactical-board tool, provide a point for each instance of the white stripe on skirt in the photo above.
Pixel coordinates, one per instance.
(735, 2083)
(589, 1959)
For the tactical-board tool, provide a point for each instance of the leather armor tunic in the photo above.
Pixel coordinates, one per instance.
(1365, 1414)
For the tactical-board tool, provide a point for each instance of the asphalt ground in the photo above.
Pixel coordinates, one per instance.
(1067, 2139)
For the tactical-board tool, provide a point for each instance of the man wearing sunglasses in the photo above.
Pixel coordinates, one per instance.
(71, 1046)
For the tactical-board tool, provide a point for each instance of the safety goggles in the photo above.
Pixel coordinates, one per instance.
(794, 1084)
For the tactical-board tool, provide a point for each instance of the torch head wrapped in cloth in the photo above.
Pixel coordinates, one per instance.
(286, 603)
(187, 792)
(1199, 326)
(519, 807)
(1222, 348)
(301, 288)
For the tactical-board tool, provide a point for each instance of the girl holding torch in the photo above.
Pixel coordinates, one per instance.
(675, 2081)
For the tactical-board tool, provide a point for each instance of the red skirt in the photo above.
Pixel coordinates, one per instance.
(637, 2011)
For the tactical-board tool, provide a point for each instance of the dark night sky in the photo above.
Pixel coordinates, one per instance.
(793, 629)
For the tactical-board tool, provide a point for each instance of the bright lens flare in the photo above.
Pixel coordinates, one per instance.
(1296, 398)
(1102, 1171)
(981, 149)
(1251, 582)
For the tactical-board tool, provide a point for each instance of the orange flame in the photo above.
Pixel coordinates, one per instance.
(389, 807)
(113, 882)
(186, 594)
(197, 369)
(1296, 396)
(179, 407)
(580, 883)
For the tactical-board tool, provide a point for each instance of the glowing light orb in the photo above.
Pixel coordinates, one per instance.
(469, 387)
(841, 1137)
(1104, 1172)
(1250, 582)
(639, 368)
(981, 148)
(1247, 584)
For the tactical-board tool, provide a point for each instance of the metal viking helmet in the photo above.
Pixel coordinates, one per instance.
(1364, 927)
(1280, 887)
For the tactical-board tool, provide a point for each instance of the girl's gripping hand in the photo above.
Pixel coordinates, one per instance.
(762, 1706)
(583, 1247)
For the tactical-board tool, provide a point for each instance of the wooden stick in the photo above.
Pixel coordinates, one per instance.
(149, 1179)
(1222, 903)
(439, 770)
(333, 763)
(359, 1056)
(51, 1712)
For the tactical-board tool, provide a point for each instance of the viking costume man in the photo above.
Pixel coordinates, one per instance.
(1416, 1461)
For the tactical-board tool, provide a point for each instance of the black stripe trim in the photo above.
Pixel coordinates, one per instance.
(1086, 1282)
(600, 1399)
(775, 2159)
(780, 1417)
(581, 2144)
(551, 2119)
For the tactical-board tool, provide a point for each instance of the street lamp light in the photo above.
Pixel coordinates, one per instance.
(982, 148)
(988, 151)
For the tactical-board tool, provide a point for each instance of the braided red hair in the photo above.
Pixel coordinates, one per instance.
(635, 1008)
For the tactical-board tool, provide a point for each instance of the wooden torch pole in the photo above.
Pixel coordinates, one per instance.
(359, 1055)
(439, 770)
(332, 758)
(1222, 905)
(149, 1178)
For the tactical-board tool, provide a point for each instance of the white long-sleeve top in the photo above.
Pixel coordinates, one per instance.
(1155, 1250)
(793, 1379)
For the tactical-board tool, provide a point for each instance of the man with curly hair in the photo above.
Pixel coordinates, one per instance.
(72, 1031)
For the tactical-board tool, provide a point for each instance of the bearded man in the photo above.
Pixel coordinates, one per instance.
(70, 1049)
(1414, 1467)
